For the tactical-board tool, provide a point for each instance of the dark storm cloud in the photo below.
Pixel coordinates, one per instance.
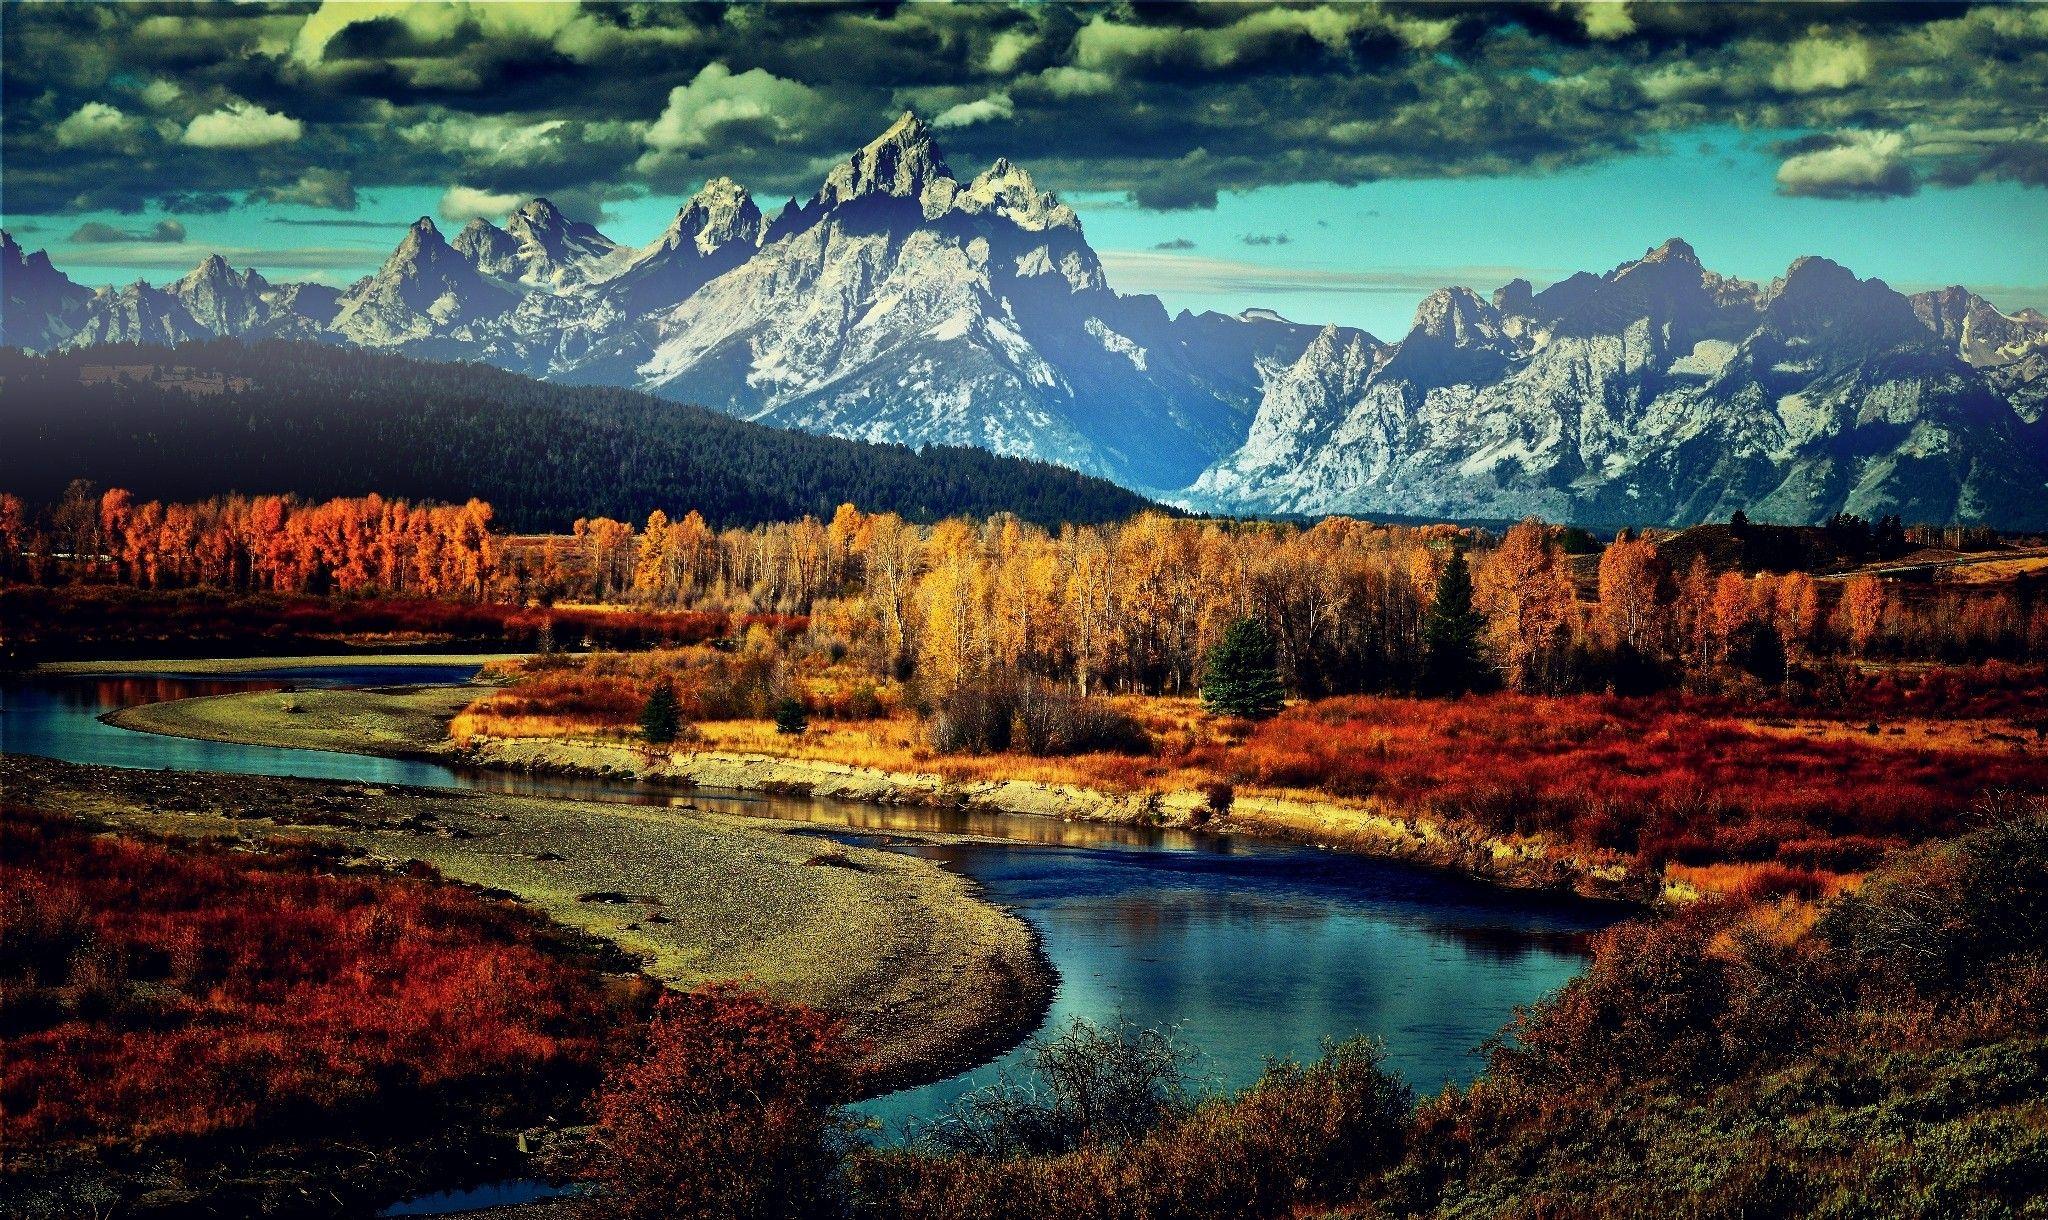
(195, 203)
(102, 105)
(96, 234)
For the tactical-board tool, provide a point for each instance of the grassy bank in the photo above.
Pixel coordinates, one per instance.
(929, 975)
(876, 761)
(394, 721)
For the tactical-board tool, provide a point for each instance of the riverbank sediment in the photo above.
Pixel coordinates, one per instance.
(412, 723)
(931, 977)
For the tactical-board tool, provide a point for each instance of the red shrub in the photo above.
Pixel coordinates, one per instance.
(157, 992)
(731, 1114)
(1655, 776)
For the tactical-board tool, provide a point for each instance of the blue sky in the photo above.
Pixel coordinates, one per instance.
(1360, 255)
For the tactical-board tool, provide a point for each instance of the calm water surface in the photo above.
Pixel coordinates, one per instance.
(1248, 950)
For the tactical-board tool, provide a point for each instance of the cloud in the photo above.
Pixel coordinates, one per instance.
(1175, 243)
(460, 204)
(95, 124)
(94, 233)
(163, 257)
(1165, 105)
(337, 222)
(1814, 65)
(1849, 165)
(242, 125)
(1265, 239)
(1607, 20)
(717, 97)
(982, 110)
(316, 188)
(195, 203)
(1145, 271)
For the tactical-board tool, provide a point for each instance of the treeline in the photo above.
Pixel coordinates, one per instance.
(274, 544)
(1350, 607)
(320, 422)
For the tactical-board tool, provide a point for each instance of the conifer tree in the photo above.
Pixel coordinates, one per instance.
(790, 717)
(661, 719)
(1451, 661)
(1239, 675)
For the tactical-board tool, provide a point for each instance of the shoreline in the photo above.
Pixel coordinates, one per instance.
(359, 721)
(924, 968)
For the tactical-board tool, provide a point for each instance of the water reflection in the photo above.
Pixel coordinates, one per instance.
(1269, 951)
(1250, 949)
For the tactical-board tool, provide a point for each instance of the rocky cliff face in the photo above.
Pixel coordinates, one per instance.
(1657, 393)
(904, 303)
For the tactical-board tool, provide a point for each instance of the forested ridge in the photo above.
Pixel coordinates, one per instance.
(317, 421)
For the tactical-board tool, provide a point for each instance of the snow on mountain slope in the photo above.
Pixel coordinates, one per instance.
(901, 303)
(1658, 393)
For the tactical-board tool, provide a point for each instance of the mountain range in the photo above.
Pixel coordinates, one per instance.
(901, 303)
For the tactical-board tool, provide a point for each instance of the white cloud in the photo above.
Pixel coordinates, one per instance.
(1607, 19)
(242, 125)
(94, 123)
(716, 96)
(1815, 65)
(1860, 163)
(1065, 81)
(460, 204)
(431, 21)
(160, 93)
(981, 110)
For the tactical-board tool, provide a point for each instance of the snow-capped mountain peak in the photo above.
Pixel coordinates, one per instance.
(718, 215)
(1007, 190)
(903, 161)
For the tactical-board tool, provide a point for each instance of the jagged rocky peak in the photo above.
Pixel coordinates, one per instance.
(539, 223)
(213, 272)
(1006, 190)
(1945, 311)
(1819, 296)
(491, 248)
(1458, 315)
(720, 214)
(1514, 297)
(1979, 331)
(1674, 250)
(903, 161)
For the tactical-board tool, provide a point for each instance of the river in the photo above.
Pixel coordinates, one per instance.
(1248, 950)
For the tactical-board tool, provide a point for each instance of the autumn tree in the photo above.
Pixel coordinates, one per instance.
(1635, 594)
(1239, 677)
(1862, 611)
(1523, 587)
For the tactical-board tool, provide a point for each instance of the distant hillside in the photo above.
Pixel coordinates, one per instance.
(323, 421)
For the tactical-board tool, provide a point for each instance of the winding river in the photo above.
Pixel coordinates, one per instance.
(1249, 950)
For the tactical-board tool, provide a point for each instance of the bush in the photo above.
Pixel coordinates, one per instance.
(732, 1114)
(790, 718)
(993, 712)
(1087, 1086)
(1302, 1138)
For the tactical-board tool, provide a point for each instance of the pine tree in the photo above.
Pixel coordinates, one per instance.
(1451, 662)
(791, 718)
(661, 719)
(1239, 676)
